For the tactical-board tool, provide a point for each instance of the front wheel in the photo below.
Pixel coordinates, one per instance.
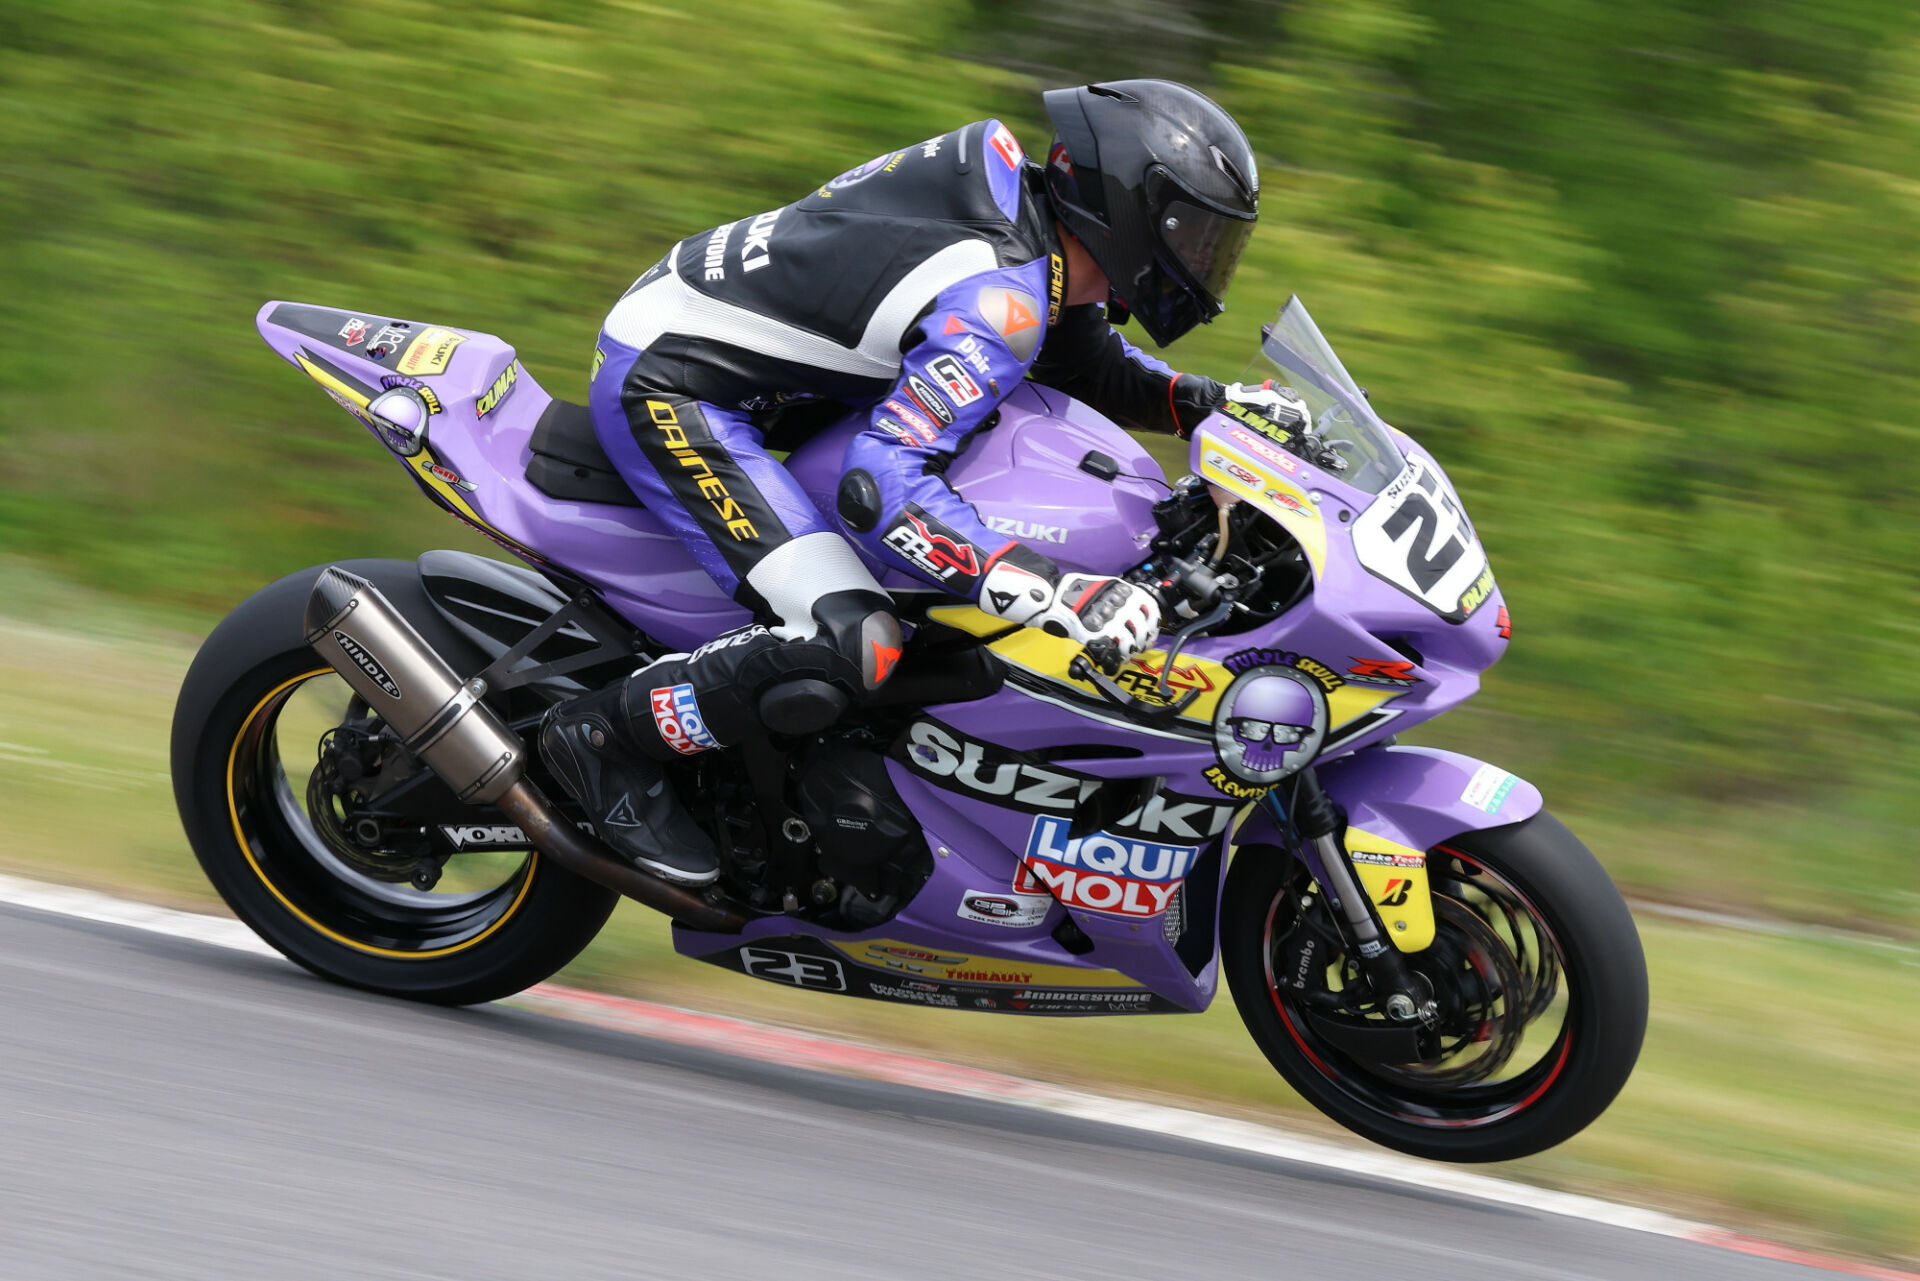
(251, 730)
(1536, 969)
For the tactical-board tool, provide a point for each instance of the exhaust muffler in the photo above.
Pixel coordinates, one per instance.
(439, 718)
(442, 720)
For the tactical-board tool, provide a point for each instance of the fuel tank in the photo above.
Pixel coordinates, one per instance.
(1050, 473)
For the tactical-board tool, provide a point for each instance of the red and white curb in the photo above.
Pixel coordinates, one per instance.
(769, 1044)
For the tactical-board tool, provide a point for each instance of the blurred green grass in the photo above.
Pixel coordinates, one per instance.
(1646, 278)
(1775, 1091)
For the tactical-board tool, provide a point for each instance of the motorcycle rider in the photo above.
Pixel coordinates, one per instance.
(922, 285)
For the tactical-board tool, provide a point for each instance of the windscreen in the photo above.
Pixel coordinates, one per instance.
(1298, 355)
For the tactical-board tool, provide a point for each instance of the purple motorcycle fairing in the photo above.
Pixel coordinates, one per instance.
(1006, 868)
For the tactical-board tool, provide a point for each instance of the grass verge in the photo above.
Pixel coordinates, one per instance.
(1775, 1091)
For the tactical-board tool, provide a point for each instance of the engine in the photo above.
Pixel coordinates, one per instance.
(870, 848)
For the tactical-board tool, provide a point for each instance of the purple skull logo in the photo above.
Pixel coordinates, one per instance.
(1271, 714)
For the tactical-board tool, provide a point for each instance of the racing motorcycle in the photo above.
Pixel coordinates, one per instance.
(1013, 825)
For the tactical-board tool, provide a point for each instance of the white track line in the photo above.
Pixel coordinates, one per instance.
(770, 1043)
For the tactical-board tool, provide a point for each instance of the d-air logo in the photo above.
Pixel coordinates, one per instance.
(1056, 287)
(366, 662)
(490, 398)
(820, 973)
(711, 487)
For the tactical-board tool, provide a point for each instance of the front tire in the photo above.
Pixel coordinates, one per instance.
(1534, 932)
(239, 776)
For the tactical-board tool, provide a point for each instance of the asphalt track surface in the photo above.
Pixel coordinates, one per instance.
(173, 1109)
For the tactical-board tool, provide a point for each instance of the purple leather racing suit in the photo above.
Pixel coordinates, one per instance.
(921, 286)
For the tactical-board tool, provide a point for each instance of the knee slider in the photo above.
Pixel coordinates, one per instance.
(802, 706)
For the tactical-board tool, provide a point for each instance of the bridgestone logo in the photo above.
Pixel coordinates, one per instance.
(366, 662)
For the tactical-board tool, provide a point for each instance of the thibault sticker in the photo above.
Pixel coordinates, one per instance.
(1270, 723)
(1102, 872)
(676, 715)
(998, 907)
(430, 352)
(1487, 789)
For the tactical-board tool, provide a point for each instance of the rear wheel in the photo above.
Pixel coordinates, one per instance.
(1536, 970)
(254, 719)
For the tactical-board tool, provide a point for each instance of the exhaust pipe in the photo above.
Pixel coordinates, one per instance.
(441, 720)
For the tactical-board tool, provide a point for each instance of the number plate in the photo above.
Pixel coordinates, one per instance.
(817, 972)
(1417, 537)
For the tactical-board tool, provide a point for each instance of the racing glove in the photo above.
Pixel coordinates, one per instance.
(1086, 608)
(1279, 405)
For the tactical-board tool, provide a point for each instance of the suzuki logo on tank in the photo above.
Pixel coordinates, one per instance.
(1121, 875)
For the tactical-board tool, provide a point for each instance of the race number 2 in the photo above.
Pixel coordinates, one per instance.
(1417, 537)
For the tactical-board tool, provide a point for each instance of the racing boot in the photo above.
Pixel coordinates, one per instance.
(625, 793)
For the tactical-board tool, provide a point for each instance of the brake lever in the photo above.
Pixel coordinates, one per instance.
(1081, 669)
(1185, 634)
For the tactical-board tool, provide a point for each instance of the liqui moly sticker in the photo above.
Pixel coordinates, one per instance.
(1487, 789)
(676, 715)
(1103, 872)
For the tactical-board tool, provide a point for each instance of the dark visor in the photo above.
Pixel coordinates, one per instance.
(1206, 244)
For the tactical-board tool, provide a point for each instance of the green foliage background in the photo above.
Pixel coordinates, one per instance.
(1643, 274)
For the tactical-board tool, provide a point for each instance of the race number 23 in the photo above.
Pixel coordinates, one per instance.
(818, 972)
(1416, 536)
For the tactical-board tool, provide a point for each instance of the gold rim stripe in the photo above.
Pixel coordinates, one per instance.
(246, 848)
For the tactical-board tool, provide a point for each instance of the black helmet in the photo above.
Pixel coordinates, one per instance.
(1159, 184)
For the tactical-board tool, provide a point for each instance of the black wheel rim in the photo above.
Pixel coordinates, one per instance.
(293, 862)
(1544, 1006)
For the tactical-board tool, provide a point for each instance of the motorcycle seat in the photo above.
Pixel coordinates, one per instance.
(568, 462)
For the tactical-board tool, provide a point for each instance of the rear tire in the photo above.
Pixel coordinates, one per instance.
(263, 855)
(1555, 1089)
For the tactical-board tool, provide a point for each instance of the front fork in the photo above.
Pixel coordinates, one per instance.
(1318, 822)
